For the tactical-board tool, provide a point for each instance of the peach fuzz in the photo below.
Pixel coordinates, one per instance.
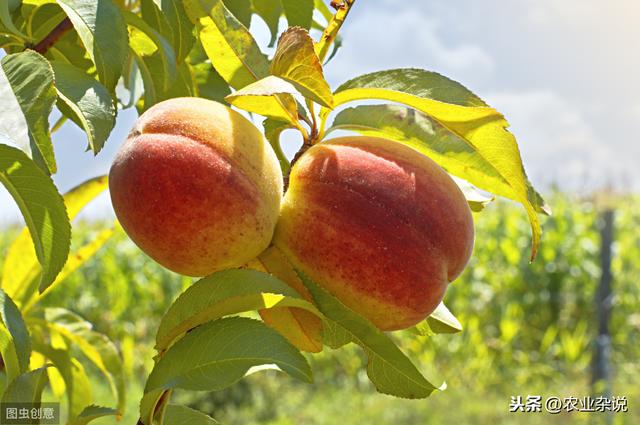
(196, 186)
(379, 225)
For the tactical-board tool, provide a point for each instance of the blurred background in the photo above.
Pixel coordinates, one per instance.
(564, 73)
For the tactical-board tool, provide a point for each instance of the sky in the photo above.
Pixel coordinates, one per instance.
(563, 72)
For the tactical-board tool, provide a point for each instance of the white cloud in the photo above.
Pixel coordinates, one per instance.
(558, 144)
(378, 39)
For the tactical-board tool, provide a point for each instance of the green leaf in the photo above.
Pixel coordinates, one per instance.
(26, 87)
(153, 78)
(88, 103)
(489, 147)
(219, 353)
(42, 208)
(182, 415)
(20, 265)
(271, 97)
(69, 49)
(42, 19)
(183, 36)
(14, 4)
(142, 35)
(230, 46)
(169, 19)
(272, 131)
(133, 82)
(223, 293)
(9, 356)
(388, 368)
(298, 12)
(152, 90)
(75, 378)
(151, 406)
(26, 388)
(103, 32)
(334, 335)
(209, 83)
(92, 412)
(7, 22)
(441, 321)
(270, 12)
(153, 15)
(241, 9)
(18, 336)
(295, 60)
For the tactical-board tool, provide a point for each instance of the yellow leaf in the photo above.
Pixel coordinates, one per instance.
(232, 50)
(270, 97)
(75, 260)
(295, 61)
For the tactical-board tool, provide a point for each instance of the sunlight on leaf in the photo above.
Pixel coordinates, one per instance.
(295, 60)
(260, 98)
(223, 293)
(195, 361)
(230, 46)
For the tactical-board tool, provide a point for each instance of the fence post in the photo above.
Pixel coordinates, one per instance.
(601, 379)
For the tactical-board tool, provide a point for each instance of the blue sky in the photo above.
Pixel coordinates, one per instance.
(564, 73)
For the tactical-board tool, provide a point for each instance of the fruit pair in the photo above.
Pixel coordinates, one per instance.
(377, 224)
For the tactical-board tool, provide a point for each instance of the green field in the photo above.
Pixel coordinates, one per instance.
(529, 329)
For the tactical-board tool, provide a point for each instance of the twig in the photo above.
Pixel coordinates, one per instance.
(51, 38)
(331, 31)
(305, 119)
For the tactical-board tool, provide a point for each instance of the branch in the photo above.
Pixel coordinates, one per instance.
(51, 38)
(331, 31)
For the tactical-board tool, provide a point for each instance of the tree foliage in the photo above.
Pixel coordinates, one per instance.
(92, 58)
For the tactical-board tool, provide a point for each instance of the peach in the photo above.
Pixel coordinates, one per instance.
(196, 186)
(377, 224)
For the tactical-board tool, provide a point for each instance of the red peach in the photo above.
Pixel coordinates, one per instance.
(379, 225)
(196, 186)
